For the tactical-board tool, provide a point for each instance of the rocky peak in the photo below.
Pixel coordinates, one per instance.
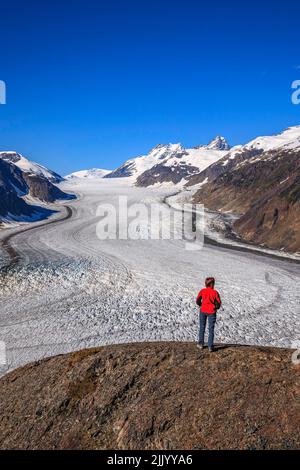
(218, 143)
(12, 157)
(163, 151)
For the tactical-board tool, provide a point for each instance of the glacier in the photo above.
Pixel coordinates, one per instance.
(69, 290)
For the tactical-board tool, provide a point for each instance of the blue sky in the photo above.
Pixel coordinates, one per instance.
(92, 83)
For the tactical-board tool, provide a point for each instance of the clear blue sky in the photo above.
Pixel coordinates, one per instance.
(92, 83)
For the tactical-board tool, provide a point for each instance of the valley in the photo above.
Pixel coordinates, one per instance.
(70, 290)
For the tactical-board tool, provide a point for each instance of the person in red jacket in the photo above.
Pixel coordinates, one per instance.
(209, 302)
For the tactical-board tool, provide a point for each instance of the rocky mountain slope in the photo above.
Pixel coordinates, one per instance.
(154, 396)
(171, 163)
(12, 188)
(261, 182)
(41, 188)
(28, 166)
(17, 184)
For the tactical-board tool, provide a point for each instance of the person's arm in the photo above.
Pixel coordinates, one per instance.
(218, 302)
(199, 299)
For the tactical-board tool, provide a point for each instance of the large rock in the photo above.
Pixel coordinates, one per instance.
(154, 396)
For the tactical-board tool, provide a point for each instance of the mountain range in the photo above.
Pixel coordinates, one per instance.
(258, 182)
(171, 163)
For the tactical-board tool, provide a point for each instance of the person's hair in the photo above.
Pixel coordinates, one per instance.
(210, 282)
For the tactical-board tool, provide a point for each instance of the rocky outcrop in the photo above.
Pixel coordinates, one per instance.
(13, 205)
(154, 396)
(42, 189)
(165, 174)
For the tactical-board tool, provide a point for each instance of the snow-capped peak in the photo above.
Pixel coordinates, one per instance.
(163, 151)
(30, 167)
(288, 139)
(169, 163)
(92, 173)
(218, 143)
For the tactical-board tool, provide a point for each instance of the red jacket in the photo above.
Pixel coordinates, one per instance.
(208, 300)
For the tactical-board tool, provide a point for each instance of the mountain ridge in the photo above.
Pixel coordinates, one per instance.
(28, 166)
(21, 178)
(170, 163)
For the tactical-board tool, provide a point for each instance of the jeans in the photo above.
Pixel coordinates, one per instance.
(212, 317)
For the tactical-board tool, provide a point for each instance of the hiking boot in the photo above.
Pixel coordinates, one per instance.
(200, 346)
(211, 350)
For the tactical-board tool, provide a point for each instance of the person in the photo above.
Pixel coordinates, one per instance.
(209, 302)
